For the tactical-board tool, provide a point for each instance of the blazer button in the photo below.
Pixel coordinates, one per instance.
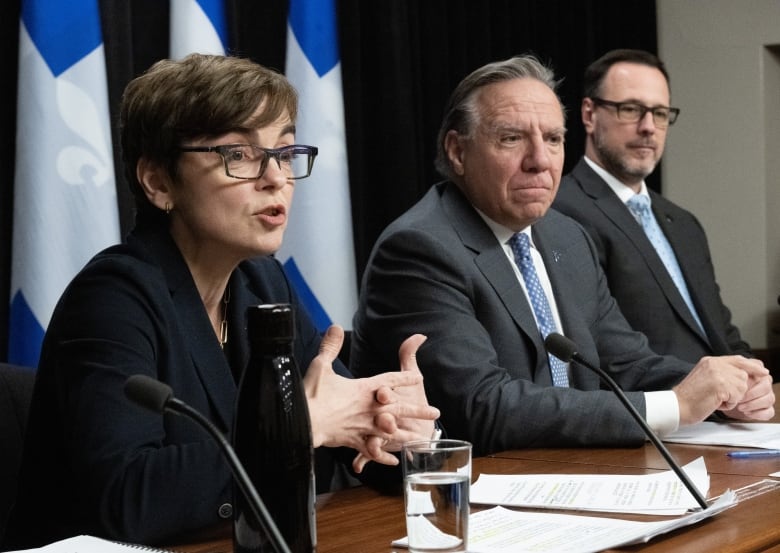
(225, 510)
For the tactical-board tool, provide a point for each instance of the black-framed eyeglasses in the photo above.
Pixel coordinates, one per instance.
(249, 161)
(631, 112)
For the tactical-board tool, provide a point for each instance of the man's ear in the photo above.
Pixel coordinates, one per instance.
(155, 182)
(454, 150)
(587, 111)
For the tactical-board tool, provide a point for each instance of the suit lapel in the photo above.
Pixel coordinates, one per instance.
(612, 208)
(207, 357)
(243, 297)
(679, 242)
(492, 262)
(553, 247)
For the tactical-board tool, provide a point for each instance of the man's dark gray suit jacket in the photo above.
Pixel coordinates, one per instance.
(439, 270)
(640, 283)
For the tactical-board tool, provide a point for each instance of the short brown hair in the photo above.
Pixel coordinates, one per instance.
(596, 71)
(176, 101)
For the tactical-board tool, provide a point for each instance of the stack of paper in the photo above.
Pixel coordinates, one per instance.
(765, 435)
(654, 494)
(90, 544)
(500, 530)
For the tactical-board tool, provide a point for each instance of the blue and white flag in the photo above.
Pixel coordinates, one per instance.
(197, 26)
(65, 205)
(318, 251)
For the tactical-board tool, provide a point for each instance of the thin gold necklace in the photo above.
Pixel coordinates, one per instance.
(223, 326)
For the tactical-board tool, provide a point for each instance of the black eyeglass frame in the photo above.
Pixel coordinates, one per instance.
(670, 112)
(275, 153)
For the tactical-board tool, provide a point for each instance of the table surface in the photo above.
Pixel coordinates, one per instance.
(360, 520)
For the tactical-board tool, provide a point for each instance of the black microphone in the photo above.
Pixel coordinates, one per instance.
(158, 397)
(566, 350)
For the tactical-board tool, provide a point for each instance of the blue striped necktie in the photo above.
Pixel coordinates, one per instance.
(639, 205)
(521, 248)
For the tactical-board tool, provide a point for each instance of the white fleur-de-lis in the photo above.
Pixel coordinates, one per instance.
(79, 165)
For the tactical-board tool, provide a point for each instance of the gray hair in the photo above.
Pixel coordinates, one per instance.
(461, 114)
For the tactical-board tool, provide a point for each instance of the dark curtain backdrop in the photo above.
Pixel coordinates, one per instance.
(400, 60)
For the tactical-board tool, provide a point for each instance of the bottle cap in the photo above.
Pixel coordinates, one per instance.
(271, 322)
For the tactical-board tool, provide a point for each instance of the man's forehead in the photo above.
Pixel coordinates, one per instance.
(522, 116)
(519, 97)
(633, 78)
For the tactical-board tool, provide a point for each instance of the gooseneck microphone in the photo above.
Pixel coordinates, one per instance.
(158, 397)
(566, 350)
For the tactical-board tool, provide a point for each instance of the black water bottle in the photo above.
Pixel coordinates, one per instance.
(272, 437)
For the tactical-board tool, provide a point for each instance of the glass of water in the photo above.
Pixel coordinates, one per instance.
(437, 476)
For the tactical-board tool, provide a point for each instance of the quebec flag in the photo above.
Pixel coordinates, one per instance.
(65, 205)
(197, 26)
(318, 250)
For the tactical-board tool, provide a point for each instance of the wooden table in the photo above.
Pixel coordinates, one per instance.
(648, 457)
(360, 520)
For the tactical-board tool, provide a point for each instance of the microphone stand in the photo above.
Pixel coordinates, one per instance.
(255, 502)
(156, 396)
(566, 350)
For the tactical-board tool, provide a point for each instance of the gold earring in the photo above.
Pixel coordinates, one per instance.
(167, 208)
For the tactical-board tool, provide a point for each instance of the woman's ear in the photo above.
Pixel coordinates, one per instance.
(155, 182)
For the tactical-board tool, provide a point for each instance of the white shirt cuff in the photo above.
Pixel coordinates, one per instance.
(663, 412)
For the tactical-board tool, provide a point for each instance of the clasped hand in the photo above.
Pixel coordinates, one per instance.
(371, 415)
(740, 388)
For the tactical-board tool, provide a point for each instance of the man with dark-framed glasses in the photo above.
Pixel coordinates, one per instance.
(654, 253)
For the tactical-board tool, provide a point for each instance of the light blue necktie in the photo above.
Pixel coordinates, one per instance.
(639, 205)
(521, 248)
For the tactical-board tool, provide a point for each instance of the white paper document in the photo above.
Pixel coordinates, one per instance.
(429, 534)
(765, 435)
(90, 544)
(657, 494)
(419, 503)
(500, 530)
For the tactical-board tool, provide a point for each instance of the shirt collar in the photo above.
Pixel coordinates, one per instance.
(623, 192)
(504, 234)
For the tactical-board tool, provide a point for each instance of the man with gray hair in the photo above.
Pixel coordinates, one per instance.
(486, 270)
